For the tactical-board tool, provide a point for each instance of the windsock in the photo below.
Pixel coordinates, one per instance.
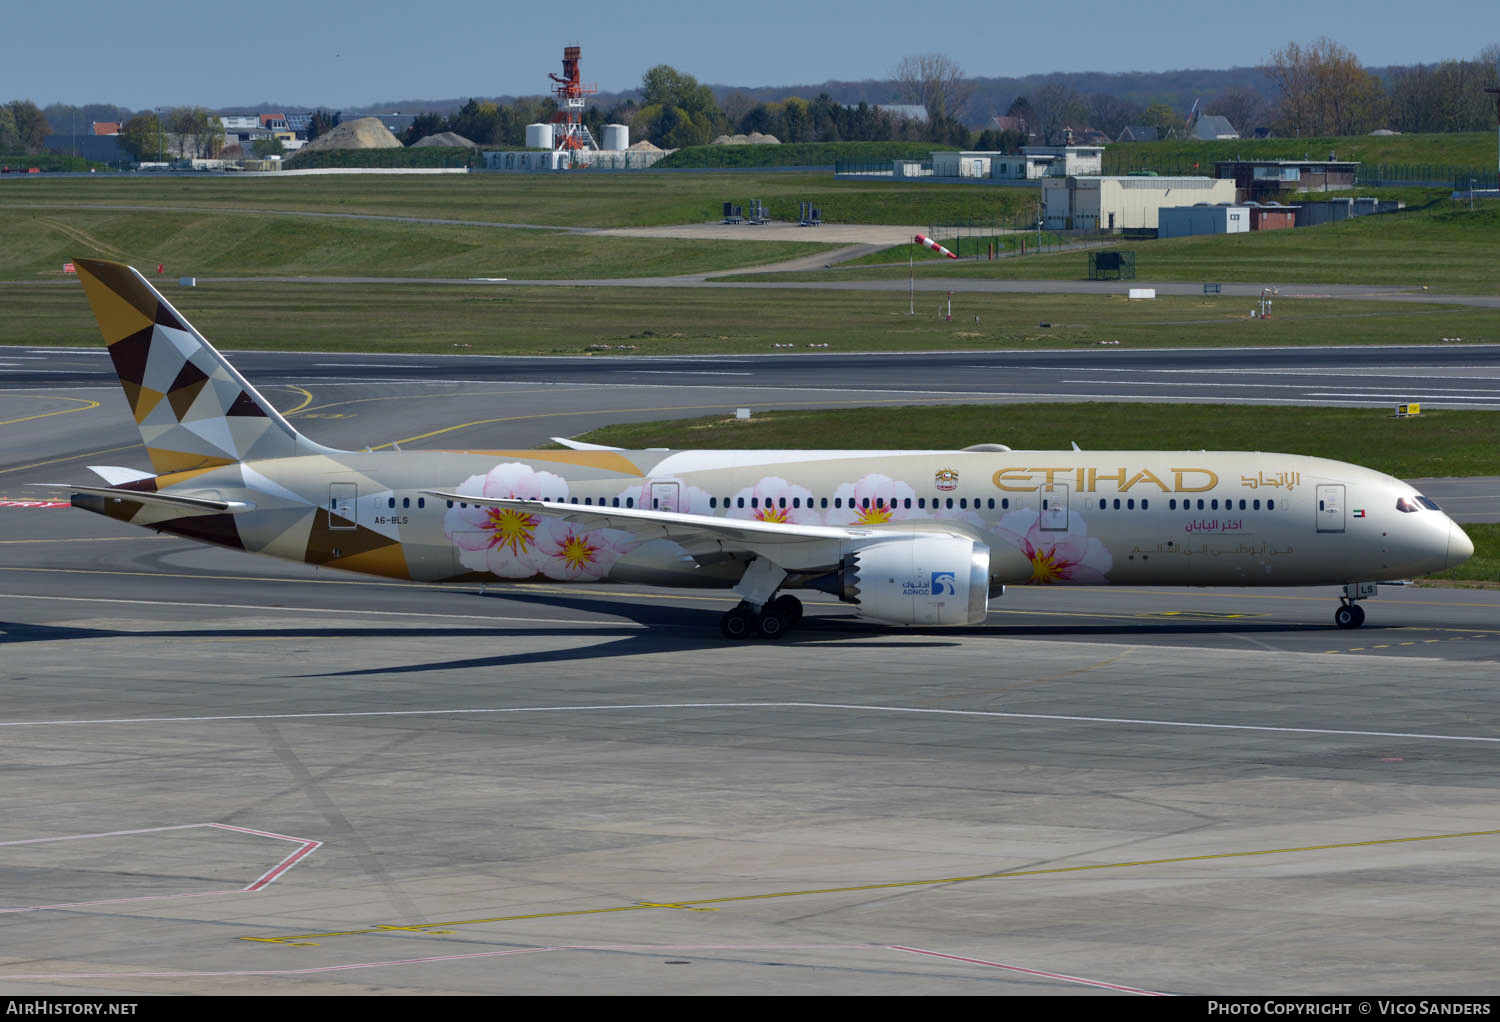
(927, 242)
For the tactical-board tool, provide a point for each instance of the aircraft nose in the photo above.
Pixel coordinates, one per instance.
(1460, 546)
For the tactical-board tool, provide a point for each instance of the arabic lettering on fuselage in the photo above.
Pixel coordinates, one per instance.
(1287, 480)
(1241, 549)
(1087, 480)
(1214, 525)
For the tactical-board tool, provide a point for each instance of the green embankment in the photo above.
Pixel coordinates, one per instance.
(1466, 149)
(1443, 443)
(426, 156)
(797, 154)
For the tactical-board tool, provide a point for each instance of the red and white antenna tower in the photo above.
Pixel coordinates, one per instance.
(569, 132)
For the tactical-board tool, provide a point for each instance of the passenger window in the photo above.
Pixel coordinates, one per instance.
(741, 502)
(1270, 505)
(450, 503)
(421, 502)
(713, 501)
(1130, 504)
(796, 502)
(1320, 505)
(1242, 503)
(908, 503)
(1214, 504)
(1117, 503)
(963, 502)
(755, 502)
(1255, 504)
(781, 502)
(1200, 503)
(630, 502)
(406, 502)
(992, 503)
(391, 502)
(1102, 503)
(922, 503)
(865, 503)
(1172, 504)
(1005, 502)
(950, 502)
(824, 501)
(1145, 503)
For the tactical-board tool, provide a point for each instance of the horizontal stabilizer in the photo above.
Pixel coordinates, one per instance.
(579, 445)
(170, 500)
(115, 475)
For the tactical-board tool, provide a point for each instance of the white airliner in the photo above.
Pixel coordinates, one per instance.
(904, 537)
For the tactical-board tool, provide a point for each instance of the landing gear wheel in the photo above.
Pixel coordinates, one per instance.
(1359, 614)
(790, 608)
(738, 623)
(1349, 616)
(772, 622)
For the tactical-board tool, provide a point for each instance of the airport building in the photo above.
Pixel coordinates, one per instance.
(1185, 221)
(1097, 203)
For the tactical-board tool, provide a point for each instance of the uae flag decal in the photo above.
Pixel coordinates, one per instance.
(1359, 512)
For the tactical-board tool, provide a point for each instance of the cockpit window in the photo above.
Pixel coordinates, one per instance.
(1402, 504)
(1428, 503)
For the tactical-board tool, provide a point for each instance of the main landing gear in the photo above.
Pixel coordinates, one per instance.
(773, 620)
(1350, 614)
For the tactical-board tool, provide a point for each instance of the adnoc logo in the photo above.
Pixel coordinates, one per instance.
(944, 584)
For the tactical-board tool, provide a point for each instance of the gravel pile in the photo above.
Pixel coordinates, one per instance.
(364, 133)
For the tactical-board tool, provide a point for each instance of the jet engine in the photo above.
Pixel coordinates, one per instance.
(915, 580)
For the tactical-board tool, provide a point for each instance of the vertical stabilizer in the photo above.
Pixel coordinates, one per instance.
(193, 409)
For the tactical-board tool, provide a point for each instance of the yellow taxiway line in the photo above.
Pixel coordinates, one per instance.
(701, 904)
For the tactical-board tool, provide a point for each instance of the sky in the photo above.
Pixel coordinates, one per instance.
(340, 53)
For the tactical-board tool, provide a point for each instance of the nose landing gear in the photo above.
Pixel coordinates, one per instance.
(1350, 614)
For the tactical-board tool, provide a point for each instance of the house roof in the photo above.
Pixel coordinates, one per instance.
(1212, 126)
(1139, 133)
(106, 127)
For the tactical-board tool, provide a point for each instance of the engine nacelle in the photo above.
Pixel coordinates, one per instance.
(921, 580)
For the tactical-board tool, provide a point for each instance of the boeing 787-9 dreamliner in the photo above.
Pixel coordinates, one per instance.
(922, 538)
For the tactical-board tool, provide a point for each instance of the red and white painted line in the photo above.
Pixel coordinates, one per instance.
(307, 847)
(34, 503)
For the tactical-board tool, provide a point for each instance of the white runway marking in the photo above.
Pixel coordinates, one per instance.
(676, 949)
(855, 707)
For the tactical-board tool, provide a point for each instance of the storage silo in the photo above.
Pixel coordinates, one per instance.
(538, 136)
(616, 137)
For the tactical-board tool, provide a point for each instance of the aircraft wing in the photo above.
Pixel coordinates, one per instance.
(669, 524)
(168, 500)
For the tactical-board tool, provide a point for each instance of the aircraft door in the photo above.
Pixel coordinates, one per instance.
(342, 502)
(1054, 517)
(1331, 507)
(664, 497)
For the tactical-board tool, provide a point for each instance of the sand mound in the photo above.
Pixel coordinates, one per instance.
(646, 147)
(444, 139)
(754, 138)
(364, 133)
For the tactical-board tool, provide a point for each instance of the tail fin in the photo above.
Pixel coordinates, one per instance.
(193, 410)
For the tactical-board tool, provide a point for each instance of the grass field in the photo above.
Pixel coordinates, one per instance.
(1444, 246)
(1484, 566)
(39, 241)
(574, 199)
(1448, 443)
(506, 319)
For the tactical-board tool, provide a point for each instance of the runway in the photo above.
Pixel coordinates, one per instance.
(235, 775)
